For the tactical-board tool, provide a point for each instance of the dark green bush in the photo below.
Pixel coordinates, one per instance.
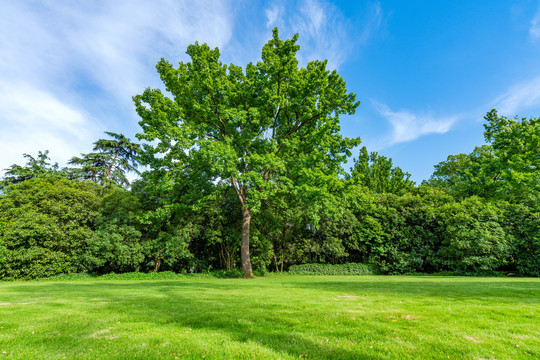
(522, 224)
(328, 269)
(164, 275)
(473, 240)
(44, 227)
(226, 274)
(116, 244)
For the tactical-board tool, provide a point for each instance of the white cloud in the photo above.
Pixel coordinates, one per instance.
(407, 126)
(534, 30)
(273, 15)
(316, 13)
(520, 97)
(324, 31)
(114, 44)
(33, 120)
(70, 67)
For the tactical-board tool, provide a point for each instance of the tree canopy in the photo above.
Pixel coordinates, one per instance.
(270, 129)
(109, 162)
(507, 168)
(35, 168)
(377, 173)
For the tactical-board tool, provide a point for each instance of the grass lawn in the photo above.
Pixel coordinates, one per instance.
(276, 317)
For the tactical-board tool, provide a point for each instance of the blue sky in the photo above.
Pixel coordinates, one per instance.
(425, 72)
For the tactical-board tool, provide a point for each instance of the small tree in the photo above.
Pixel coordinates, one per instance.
(35, 168)
(377, 173)
(112, 159)
(117, 148)
(270, 129)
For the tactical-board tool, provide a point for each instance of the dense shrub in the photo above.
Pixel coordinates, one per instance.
(44, 227)
(473, 240)
(163, 275)
(399, 234)
(116, 245)
(522, 225)
(328, 269)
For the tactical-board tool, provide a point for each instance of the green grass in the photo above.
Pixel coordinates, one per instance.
(276, 317)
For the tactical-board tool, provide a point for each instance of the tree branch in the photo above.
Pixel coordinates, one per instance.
(296, 128)
(239, 191)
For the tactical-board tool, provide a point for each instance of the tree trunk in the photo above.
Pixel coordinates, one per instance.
(157, 264)
(112, 163)
(244, 249)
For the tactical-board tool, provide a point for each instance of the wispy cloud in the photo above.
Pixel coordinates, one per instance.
(407, 126)
(373, 22)
(519, 98)
(273, 14)
(70, 67)
(33, 120)
(534, 29)
(324, 30)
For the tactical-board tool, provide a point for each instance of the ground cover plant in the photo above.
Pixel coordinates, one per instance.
(276, 317)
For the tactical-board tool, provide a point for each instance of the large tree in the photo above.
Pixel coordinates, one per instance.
(265, 131)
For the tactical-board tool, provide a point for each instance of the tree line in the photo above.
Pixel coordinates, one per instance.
(245, 169)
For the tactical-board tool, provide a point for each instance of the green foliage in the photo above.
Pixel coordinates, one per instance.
(474, 174)
(428, 231)
(522, 224)
(328, 269)
(398, 234)
(116, 245)
(162, 275)
(167, 237)
(516, 145)
(44, 226)
(227, 274)
(35, 168)
(109, 164)
(377, 173)
(218, 241)
(506, 168)
(268, 130)
(473, 239)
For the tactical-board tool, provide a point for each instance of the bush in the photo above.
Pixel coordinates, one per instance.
(164, 275)
(474, 241)
(44, 227)
(328, 269)
(116, 244)
(522, 225)
(227, 274)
